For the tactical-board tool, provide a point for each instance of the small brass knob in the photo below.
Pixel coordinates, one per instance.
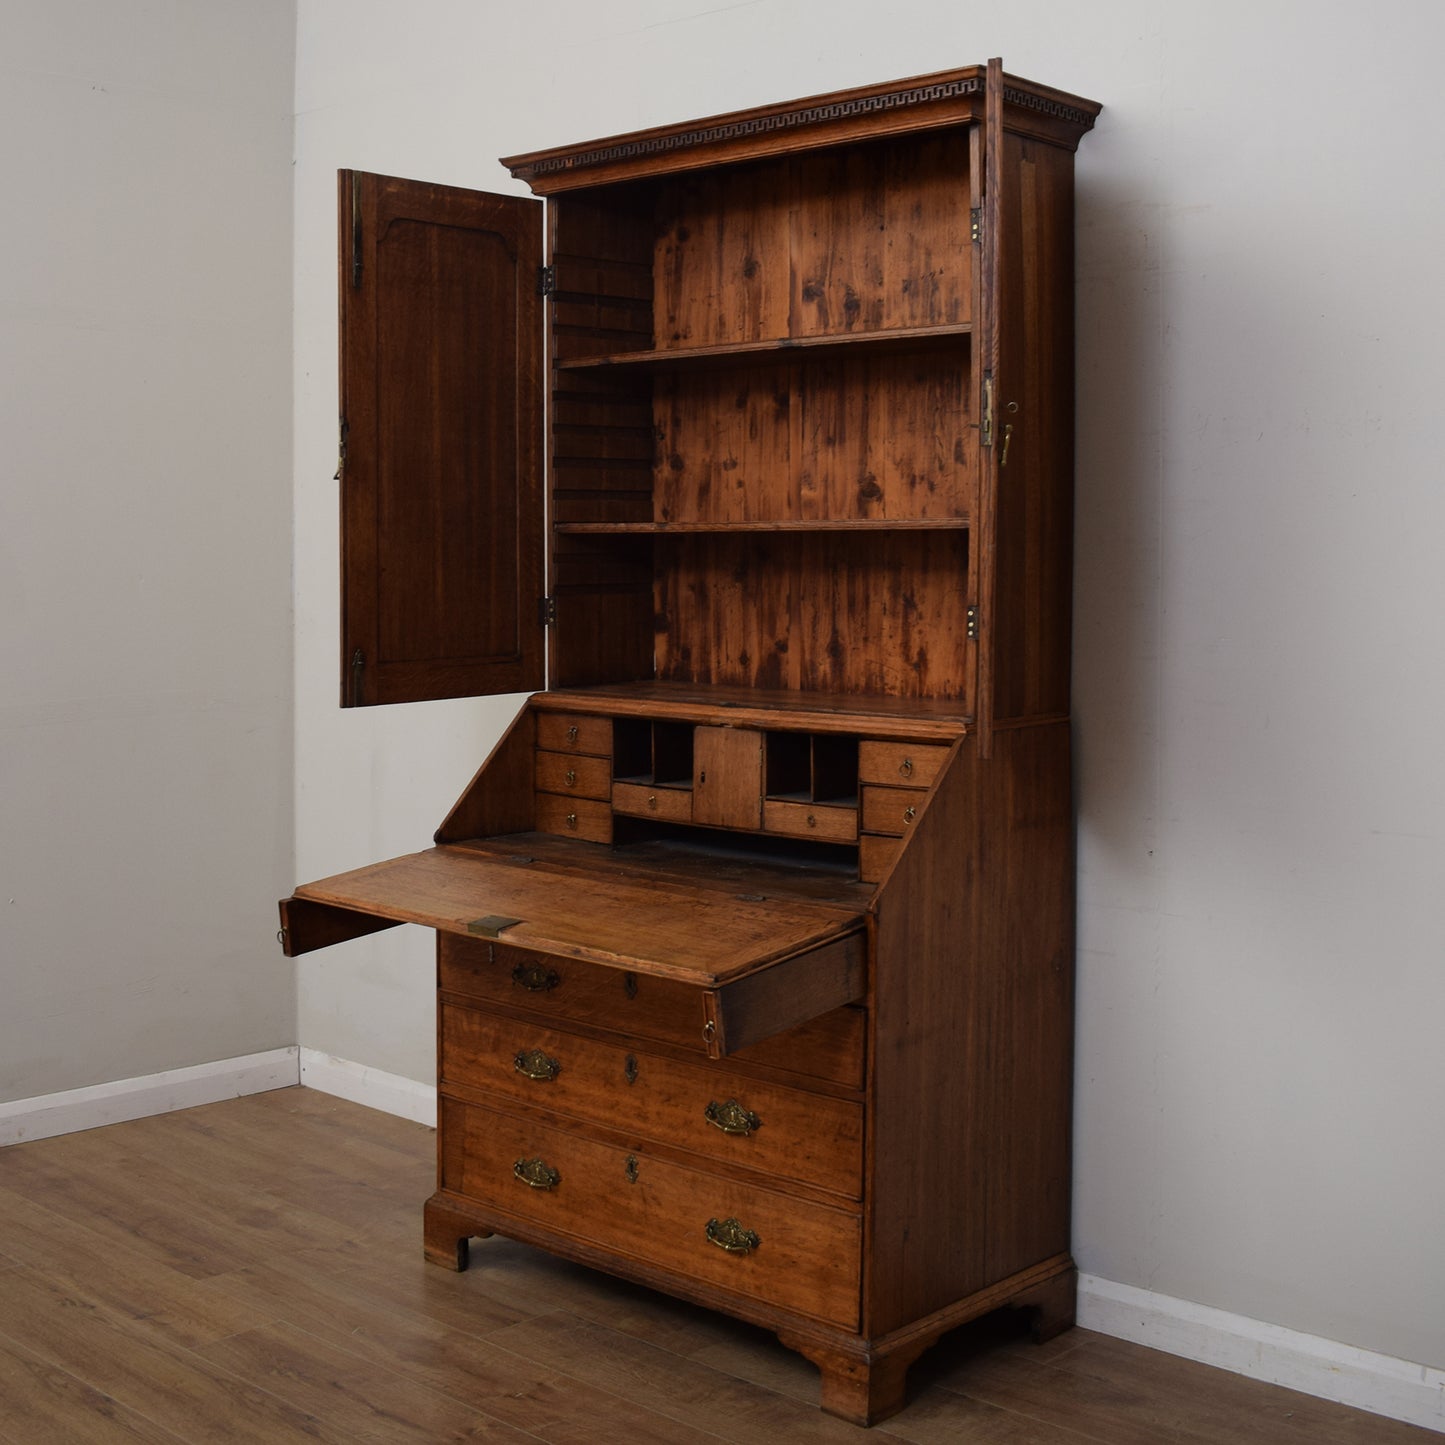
(571, 776)
(652, 800)
(812, 821)
(572, 820)
(906, 767)
(572, 734)
(908, 814)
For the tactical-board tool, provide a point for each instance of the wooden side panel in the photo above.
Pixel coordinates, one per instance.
(1029, 636)
(499, 798)
(441, 480)
(973, 1012)
(881, 614)
(881, 237)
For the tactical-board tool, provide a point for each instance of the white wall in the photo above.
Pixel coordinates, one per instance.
(1259, 639)
(145, 517)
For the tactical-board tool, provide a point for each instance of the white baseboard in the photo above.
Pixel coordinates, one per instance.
(391, 1093)
(66, 1113)
(1380, 1384)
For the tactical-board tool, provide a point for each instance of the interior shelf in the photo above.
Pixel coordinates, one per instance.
(877, 524)
(899, 338)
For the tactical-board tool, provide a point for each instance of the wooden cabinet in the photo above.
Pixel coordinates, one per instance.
(755, 946)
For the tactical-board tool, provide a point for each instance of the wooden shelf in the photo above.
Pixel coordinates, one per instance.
(918, 719)
(774, 348)
(876, 524)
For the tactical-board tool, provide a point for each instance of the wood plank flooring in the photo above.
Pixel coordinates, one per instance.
(252, 1271)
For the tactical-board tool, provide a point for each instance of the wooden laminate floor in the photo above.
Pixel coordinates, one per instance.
(252, 1271)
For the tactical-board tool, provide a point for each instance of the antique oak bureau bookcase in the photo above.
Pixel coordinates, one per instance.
(755, 946)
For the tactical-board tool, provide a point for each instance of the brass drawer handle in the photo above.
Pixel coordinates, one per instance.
(572, 734)
(728, 1234)
(731, 1117)
(572, 821)
(571, 777)
(535, 977)
(652, 800)
(535, 1174)
(909, 814)
(906, 767)
(812, 821)
(534, 1064)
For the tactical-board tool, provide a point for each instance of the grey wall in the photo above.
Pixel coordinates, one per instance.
(145, 524)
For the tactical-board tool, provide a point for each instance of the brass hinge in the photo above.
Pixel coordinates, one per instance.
(355, 229)
(358, 665)
(975, 225)
(985, 431)
(546, 280)
(340, 448)
(547, 610)
(972, 623)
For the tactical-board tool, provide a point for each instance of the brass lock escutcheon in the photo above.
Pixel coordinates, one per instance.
(730, 1235)
(535, 977)
(731, 1117)
(534, 1064)
(536, 1174)
(629, 1069)
(630, 1169)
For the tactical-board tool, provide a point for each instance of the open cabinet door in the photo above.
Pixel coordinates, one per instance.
(1025, 550)
(441, 430)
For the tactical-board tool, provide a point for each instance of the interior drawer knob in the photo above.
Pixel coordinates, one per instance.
(731, 1117)
(571, 776)
(730, 1235)
(534, 1064)
(909, 814)
(537, 1175)
(572, 734)
(535, 978)
(906, 767)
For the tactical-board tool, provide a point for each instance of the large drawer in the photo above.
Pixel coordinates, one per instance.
(798, 1255)
(566, 990)
(710, 1109)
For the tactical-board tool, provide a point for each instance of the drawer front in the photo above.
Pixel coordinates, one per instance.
(579, 777)
(901, 765)
(674, 805)
(709, 1109)
(875, 856)
(798, 1255)
(566, 732)
(890, 810)
(811, 820)
(574, 817)
(559, 990)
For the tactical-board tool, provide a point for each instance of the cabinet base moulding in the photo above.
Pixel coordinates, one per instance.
(860, 1380)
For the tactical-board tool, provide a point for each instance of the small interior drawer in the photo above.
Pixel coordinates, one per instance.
(567, 732)
(673, 805)
(875, 856)
(566, 773)
(574, 817)
(890, 810)
(811, 820)
(901, 765)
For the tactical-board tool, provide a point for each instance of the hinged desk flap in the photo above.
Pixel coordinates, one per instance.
(694, 935)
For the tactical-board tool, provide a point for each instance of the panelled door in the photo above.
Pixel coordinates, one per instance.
(441, 441)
